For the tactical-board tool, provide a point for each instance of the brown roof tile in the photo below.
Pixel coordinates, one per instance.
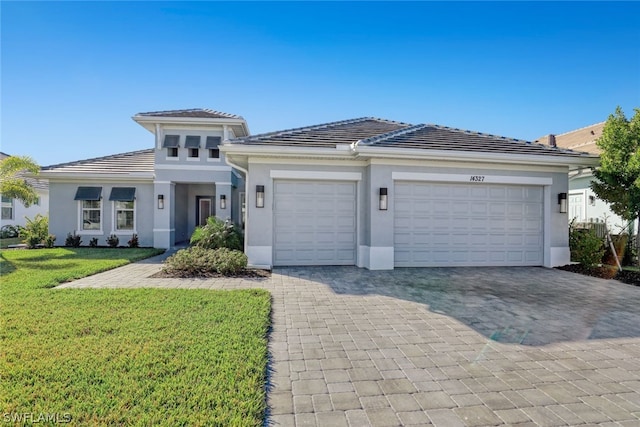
(199, 113)
(117, 164)
(325, 135)
(583, 139)
(435, 137)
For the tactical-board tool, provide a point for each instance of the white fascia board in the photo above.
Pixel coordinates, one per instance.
(265, 150)
(150, 122)
(574, 162)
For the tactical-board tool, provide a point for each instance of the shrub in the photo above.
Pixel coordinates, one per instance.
(49, 241)
(36, 231)
(73, 240)
(229, 262)
(586, 247)
(10, 231)
(198, 261)
(93, 242)
(113, 241)
(133, 243)
(217, 234)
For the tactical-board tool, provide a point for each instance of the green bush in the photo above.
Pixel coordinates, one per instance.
(229, 262)
(49, 241)
(586, 247)
(198, 261)
(36, 231)
(217, 234)
(73, 240)
(10, 231)
(113, 241)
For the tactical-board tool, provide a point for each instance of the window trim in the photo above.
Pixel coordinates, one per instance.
(81, 230)
(193, 151)
(169, 157)
(114, 223)
(5, 205)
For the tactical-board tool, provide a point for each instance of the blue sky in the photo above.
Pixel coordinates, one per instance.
(74, 73)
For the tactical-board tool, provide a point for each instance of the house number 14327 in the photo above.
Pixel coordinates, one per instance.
(476, 178)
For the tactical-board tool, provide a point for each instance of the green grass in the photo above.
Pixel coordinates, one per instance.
(127, 357)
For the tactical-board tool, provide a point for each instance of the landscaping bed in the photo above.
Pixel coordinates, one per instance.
(248, 273)
(605, 272)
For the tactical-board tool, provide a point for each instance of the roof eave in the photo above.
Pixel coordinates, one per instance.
(573, 162)
(149, 122)
(84, 176)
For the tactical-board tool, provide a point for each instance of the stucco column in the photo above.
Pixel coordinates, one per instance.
(223, 190)
(163, 219)
(381, 251)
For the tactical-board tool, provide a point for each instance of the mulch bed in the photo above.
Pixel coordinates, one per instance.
(605, 272)
(245, 274)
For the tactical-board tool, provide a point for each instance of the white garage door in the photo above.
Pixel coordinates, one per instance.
(443, 224)
(314, 223)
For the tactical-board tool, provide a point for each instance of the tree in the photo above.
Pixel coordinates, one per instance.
(12, 179)
(618, 177)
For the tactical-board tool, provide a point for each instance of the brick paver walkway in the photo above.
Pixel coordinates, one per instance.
(445, 347)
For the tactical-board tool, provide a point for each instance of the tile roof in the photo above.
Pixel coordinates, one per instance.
(435, 137)
(583, 139)
(325, 135)
(38, 184)
(199, 113)
(117, 164)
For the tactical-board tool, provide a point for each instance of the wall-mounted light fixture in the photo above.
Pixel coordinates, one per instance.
(592, 200)
(160, 201)
(223, 201)
(259, 196)
(384, 201)
(562, 201)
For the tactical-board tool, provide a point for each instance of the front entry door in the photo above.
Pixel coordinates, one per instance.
(205, 205)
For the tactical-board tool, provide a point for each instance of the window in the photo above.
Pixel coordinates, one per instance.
(212, 144)
(125, 216)
(123, 199)
(171, 143)
(7, 207)
(90, 199)
(194, 152)
(91, 213)
(243, 209)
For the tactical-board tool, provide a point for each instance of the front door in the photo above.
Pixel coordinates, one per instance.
(205, 209)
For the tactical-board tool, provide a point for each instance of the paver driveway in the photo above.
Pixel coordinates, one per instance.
(448, 347)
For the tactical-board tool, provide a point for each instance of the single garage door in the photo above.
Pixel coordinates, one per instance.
(314, 223)
(446, 224)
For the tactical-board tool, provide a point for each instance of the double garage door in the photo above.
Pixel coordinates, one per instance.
(435, 224)
(446, 224)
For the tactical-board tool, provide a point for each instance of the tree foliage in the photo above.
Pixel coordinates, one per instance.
(12, 181)
(618, 177)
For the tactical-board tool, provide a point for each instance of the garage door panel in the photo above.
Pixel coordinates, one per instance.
(314, 223)
(467, 224)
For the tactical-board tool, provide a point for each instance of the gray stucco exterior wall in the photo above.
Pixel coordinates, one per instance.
(66, 213)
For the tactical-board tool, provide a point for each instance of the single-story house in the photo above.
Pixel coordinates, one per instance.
(368, 192)
(14, 212)
(583, 203)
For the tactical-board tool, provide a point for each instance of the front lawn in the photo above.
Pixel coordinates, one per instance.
(116, 356)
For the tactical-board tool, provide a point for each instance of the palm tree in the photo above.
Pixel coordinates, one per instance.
(13, 184)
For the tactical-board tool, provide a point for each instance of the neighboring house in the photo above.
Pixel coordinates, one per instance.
(160, 194)
(380, 194)
(15, 213)
(368, 192)
(583, 203)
